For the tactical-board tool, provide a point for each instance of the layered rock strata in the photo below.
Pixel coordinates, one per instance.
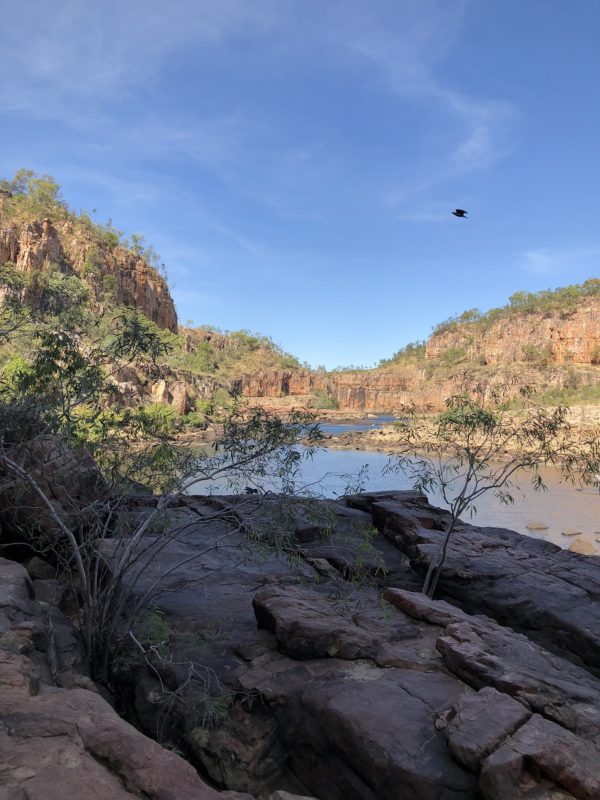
(33, 246)
(571, 336)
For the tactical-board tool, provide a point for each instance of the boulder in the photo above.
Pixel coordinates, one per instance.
(54, 741)
(69, 479)
(542, 749)
(480, 723)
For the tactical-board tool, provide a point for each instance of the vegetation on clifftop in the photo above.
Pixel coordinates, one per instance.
(412, 353)
(204, 352)
(28, 197)
(563, 300)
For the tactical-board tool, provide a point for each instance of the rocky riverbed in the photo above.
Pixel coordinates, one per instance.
(388, 438)
(319, 668)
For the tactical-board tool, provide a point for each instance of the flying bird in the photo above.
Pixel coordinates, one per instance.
(459, 212)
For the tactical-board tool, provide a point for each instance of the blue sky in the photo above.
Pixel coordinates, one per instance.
(295, 162)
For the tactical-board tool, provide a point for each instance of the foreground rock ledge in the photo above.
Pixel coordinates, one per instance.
(337, 696)
(58, 743)
(491, 693)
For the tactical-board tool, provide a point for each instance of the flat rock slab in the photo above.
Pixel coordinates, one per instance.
(306, 626)
(533, 586)
(375, 731)
(480, 723)
(483, 653)
(374, 727)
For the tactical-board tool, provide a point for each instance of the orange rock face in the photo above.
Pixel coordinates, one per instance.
(32, 246)
(368, 391)
(532, 349)
(560, 337)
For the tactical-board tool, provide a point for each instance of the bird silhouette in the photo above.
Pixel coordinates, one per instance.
(459, 212)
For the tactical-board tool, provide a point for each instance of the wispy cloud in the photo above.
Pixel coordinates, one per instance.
(551, 261)
(92, 49)
(410, 56)
(82, 64)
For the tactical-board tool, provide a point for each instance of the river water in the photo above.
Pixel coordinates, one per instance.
(571, 515)
(562, 507)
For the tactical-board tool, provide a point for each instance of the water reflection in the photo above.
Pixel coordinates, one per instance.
(562, 508)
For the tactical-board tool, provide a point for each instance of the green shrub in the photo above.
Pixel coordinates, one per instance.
(221, 398)
(202, 359)
(195, 420)
(92, 263)
(412, 352)
(14, 372)
(157, 418)
(539, 356)
(453, 355)
(325, 401)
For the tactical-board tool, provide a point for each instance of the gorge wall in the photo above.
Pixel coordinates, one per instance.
(33, 246)
(559, 337)
(549, 350)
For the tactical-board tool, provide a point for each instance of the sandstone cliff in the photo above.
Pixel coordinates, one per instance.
(34, 245)
(549, 350)
(549, 340)
(558, 337)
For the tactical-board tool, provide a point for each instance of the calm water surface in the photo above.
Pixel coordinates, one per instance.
(562, 507)
(376, 422)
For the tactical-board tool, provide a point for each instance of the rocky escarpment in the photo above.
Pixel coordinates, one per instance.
(367, 391)
(571, 336)
(179, 389)
(334, 695)
(545, 350)
(32, 246)
(389, 390)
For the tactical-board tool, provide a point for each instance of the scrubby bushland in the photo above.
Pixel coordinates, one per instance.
(564, 299)
(58, 388)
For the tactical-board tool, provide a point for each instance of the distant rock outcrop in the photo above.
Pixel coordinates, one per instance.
(545, 350)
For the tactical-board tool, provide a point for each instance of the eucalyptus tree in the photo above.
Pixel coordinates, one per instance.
(477, 445)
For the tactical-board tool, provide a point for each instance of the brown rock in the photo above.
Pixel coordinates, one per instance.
(534, 586)
(485, 654)
(570, 762)
(571, 336)
(480, 723)
(306, 626)
(583, 546)
(55, 741)
(69, 479)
